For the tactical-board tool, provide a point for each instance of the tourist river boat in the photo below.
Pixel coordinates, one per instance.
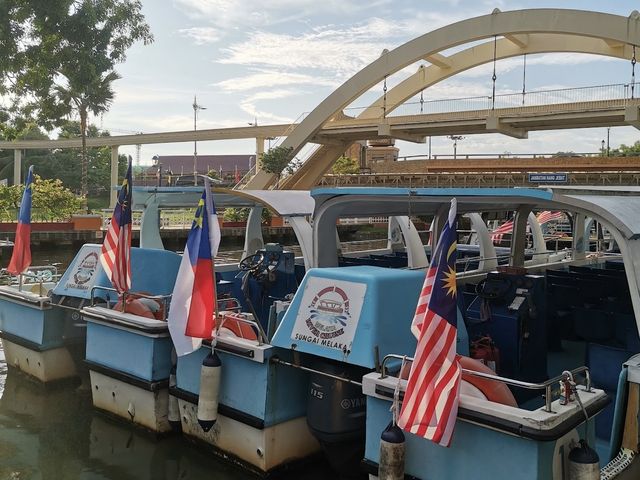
(311, 348)
(576, 313)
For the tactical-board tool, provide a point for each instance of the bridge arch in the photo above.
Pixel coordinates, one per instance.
(524, 31)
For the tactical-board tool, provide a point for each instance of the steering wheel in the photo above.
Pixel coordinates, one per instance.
(251, 262)
(500, 288)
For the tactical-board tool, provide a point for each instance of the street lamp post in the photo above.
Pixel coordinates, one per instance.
(455, 139)
(608, 135)
(196, 107)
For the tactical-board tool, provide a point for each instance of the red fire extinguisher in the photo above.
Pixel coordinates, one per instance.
(485, 350)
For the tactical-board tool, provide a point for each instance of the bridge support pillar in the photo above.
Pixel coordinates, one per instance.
(495, 125)
(17, 166)
(259, 152)
(113, 191)
(632, 116)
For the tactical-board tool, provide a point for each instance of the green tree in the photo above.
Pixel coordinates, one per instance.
(345, 166)
(62, 54)
(96, 98)
(232, 214)
(51, 201)
(63, 164)
(22, 130)
(626, 151)
(276, 160)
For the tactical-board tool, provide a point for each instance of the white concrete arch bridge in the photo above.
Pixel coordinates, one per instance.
(521, 32)
(492, 37)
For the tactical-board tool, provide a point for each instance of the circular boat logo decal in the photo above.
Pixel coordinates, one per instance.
(86, 269)
(329, 313)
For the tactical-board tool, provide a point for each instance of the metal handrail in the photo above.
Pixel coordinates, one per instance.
(166, 299)
(618, 91)
(546, 386)
(262, 336)
(29, 274)
(237, 308)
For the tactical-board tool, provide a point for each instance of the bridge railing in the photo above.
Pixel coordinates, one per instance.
(503, 155)
(513, 100)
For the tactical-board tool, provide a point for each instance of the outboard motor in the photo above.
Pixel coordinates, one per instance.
(336, 415)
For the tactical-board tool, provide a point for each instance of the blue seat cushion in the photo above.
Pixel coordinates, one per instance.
(605, 363)
(153, 270)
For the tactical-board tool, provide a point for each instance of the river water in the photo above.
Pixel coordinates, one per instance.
(54, 433)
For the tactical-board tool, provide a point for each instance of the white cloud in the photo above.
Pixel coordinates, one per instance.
(270, 78)
(231, 14)
(146, 94)
(341, 52)
(249, 105)
(201, 35)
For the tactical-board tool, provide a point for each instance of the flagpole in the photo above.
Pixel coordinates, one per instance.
(209, 205)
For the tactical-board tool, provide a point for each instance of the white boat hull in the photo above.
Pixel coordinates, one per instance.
(259, 449)
(47, 366)
(143, 407)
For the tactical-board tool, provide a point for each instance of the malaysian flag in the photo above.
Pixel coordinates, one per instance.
(430, 404)
(547, 216)
(507, 227)
(498, 233)
(116, 248)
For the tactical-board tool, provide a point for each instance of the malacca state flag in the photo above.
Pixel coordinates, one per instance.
(21, 256)
(194, 296)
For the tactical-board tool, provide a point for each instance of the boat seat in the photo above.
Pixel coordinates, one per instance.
(593, 325)
(626, 332)
(158, 276)
(604, 364)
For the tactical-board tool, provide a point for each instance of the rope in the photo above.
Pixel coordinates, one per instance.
(633, 71)
(617, 465)
(395, 405)
(494, 77)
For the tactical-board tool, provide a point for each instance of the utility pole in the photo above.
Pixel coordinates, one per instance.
(196, 107)
(455, 139)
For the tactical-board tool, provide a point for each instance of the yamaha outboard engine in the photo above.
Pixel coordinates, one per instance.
(336, 415)
(344, 320)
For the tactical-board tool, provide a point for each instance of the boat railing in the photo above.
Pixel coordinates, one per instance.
(164, 299)
(39, 274)
(506, 256)
(252, 322)
(547, 386)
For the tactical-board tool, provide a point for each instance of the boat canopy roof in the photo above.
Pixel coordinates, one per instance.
(615, 206)
(284, 203)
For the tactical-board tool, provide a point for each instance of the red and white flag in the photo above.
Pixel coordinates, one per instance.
(430, 405)
(115, 255)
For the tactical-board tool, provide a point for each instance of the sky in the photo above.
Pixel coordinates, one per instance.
(272, 61)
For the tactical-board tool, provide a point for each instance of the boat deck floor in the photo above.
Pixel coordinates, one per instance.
(631, 473)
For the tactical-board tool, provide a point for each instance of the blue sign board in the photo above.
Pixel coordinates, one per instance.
(548, 177)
